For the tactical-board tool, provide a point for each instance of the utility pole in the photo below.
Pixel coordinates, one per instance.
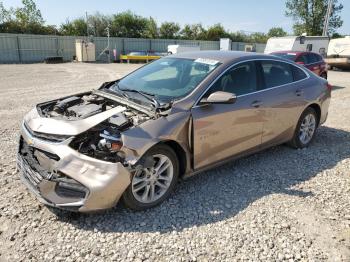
(87, 25)
(327, 18)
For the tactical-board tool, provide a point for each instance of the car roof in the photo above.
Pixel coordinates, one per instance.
(294, 52)
(224, 57)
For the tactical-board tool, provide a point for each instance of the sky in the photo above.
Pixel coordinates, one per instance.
(251, 15)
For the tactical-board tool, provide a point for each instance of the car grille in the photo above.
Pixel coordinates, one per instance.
(31, 176)
(29, 165)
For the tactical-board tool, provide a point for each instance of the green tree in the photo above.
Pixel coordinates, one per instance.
(239, 37)
(193, 32)
(5, 15)
(28, 14)
(276, 32)
(309, 16)
(128, 24)
(258, 38)
(98, 24)
(151, 30)
(169, 30)
(26, 19)
(76, 27)
(216, 32)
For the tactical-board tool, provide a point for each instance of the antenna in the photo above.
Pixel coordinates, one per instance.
(327, 18)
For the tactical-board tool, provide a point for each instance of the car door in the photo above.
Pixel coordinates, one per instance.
(223, 130)
(282, 100)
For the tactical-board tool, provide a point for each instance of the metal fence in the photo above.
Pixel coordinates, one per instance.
(22, 48)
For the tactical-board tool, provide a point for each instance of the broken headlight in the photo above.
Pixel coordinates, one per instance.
(101, 142)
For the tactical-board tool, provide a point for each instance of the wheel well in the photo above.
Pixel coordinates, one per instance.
(317, 109)
(180, 153)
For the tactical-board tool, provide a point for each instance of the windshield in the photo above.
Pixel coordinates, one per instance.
(289, 56)
(167, 78)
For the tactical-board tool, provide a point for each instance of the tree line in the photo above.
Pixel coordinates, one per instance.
(307, 14)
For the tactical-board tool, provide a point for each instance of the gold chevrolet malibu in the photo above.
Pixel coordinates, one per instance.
(133, 138)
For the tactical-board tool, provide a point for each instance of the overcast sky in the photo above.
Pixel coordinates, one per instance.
(252, 15)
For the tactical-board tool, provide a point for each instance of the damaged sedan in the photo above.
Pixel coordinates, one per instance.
(133, 138)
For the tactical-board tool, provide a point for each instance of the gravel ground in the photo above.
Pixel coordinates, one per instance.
(280, 204)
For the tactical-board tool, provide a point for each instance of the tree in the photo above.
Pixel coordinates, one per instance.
(28, 14)
(127, 24)
(216, 32)
(309, 16)
(5, 15)
(98, 23)
(77, 27)
(193, 32)
(276, 32)
(169, 30)
(239, 37)
(258, 38)
(151, 30)
(26, 19)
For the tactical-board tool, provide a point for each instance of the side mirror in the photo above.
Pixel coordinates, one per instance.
(220, 97)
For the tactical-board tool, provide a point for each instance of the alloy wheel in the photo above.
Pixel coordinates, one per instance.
(307, 128)
(150, 184)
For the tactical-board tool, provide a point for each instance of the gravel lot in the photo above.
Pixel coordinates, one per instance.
(280, 204)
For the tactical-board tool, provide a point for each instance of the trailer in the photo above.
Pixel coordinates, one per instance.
(338, 54)
(176, 49)
(316, 44)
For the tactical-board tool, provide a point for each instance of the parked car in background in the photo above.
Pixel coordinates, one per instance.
(310, 60)
(182, 114)
(317, 44)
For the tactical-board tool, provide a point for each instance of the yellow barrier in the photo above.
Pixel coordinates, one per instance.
(146, 58)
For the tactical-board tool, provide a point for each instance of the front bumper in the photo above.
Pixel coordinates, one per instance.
(61, 177)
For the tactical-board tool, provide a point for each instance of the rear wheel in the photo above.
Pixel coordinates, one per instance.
(306, 129)
(153, 184)
(323, 75)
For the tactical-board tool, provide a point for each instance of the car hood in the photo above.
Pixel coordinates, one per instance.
(45, 125)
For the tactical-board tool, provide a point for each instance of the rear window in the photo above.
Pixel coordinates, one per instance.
(298, 74)
(276, 73)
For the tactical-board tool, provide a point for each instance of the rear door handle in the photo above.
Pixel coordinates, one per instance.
(256, 104)
(299, 92)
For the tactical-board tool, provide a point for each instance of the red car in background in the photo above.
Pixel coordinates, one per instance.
(310, 60)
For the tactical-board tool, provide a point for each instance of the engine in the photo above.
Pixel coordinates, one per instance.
(75, 107)
(103, 141)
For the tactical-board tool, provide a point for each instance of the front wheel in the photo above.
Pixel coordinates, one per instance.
(153, 184)
(306, 129)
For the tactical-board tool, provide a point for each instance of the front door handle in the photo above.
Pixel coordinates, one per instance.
(256, 104)
(299, 92)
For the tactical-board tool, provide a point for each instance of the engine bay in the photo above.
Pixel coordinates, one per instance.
(104, 140)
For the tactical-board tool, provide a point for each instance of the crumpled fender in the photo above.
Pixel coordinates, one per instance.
(138, 140)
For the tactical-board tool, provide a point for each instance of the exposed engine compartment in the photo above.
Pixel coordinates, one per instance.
(103, 141)
(76, 107)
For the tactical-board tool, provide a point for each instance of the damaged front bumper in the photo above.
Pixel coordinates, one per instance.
(62, 177)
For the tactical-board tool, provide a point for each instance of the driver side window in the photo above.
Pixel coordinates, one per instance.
(239, 80)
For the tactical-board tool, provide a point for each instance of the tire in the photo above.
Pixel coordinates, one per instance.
(324, 75)
(297, 141)
(138, 196)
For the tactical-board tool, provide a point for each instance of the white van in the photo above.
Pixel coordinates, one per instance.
(316, 44)
(176, 49)
(338, 54)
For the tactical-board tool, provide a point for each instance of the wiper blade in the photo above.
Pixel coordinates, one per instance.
(149, 97)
